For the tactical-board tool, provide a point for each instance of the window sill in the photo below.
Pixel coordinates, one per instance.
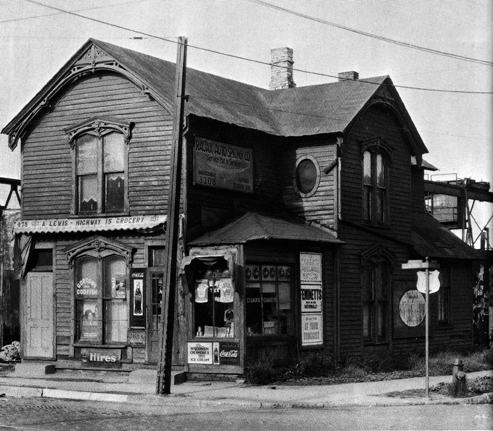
(106, 215)
(100, 346)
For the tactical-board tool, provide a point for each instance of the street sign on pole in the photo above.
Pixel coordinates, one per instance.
(426, 265)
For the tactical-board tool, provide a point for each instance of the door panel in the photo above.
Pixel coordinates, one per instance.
(39, 316)
(154, 304)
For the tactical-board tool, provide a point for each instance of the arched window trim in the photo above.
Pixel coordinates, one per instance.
(99, 127)
(98, 247)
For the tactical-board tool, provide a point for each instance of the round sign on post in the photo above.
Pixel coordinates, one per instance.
(412, 308)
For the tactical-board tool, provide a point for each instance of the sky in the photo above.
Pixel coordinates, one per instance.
(447, 92)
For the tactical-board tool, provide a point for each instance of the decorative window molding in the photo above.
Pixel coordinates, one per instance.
(99, 126)
(98, 247)
(99, 166)
(306, 176)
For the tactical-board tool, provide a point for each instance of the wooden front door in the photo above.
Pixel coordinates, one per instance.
(39, 330)
(154, 304)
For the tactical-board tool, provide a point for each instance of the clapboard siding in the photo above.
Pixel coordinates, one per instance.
(47, 159)
(319, 207)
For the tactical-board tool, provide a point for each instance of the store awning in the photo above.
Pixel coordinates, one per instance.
(97, 224)
(256, 227)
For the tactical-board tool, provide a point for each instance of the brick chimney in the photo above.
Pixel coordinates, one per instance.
(348, 76)
(281, 69)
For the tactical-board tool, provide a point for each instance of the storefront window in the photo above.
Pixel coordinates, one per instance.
(101, 305)
(269, 309)
(214, 301)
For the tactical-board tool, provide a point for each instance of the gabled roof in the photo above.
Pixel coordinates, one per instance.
(302, 111)
(430, 238)
(256, 227)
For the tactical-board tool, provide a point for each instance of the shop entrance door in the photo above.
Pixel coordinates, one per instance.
(154, 304)
(38, 331)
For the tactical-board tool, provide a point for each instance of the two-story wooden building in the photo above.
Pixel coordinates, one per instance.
(299, 207)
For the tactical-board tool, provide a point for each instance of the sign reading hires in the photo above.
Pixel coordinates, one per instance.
(311, 299)
(223, 166)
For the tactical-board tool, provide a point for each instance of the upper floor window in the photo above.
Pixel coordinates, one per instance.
(376, 184)
(100, 167)
(306, 176)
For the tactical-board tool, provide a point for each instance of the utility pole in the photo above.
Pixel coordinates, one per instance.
(163, 384)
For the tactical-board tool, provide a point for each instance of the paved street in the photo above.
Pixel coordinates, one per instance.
(54, 415)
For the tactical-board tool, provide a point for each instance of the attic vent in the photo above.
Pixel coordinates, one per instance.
(281, 69)
(351, 75)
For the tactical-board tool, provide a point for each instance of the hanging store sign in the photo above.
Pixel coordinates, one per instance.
(222, 166)
(94, 224)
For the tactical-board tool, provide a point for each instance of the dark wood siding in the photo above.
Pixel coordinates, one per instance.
(46, 154)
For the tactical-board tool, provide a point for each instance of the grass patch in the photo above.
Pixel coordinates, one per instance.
(322, 368)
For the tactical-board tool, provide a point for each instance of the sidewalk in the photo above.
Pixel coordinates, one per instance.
(139, 387)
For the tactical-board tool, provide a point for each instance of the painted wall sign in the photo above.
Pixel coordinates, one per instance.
(412, 308)
(101, 358)
(88, 224)
(311, 329)
(224, 166)
(136, 337)
(310, 267)
(311, 298)
(200, 353)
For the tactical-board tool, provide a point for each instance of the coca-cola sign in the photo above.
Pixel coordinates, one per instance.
(229, 353)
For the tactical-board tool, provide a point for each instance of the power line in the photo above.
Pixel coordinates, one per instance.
(62, 12)
(374, 36)
(245, 58)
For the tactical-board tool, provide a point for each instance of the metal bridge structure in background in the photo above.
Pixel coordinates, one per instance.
(452, 202)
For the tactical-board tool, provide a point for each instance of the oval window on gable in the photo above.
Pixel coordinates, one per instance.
(306, 176)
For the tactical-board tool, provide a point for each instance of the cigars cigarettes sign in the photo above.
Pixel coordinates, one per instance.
(222, 166)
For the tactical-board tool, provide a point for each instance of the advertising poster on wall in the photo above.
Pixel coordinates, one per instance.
(223, 166)
(137, 300)
(311, 299)
(200, 353)
(311, 329)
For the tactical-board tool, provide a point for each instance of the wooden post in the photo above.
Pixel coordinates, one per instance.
(427, 379)
(163, 384)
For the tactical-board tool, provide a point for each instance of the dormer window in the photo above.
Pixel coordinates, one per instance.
(100, 167)
(376, 162)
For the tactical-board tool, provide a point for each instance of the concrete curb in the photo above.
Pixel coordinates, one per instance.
(31, 392)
